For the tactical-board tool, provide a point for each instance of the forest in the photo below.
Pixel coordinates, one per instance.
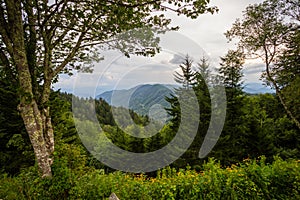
(44, 155)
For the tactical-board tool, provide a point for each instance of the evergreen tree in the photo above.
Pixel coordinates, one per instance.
(196, 81)
(287, 73)
(230, 148)
(187, 76)
(231, 72)
(203, 80)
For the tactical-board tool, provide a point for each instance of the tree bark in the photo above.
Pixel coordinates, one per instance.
(40, 133)
(48, 133)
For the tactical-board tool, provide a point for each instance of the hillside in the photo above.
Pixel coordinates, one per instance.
(142, 98)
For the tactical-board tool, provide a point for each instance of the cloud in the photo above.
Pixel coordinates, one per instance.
(201, 37)
(252, 71)
(177, 59)
(83, 84)
(208, 30)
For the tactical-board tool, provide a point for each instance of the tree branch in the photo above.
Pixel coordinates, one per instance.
(5, 33)
(119, 3)
(97, 43)
(277, 89)
(70, 56)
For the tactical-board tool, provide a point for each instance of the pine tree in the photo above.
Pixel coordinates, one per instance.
(231, 71)
(187, 79)
(187, 76)
(230, 148)
(203, 79)
(287, 73)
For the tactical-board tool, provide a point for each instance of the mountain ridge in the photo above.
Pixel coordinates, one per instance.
(144, 99)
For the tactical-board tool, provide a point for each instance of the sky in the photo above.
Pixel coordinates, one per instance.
(197, 38)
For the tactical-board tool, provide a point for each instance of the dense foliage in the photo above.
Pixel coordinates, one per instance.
(250, 179)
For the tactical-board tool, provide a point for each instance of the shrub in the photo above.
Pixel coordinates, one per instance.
(251, 179)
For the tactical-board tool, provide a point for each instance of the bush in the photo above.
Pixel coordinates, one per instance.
(250, 179)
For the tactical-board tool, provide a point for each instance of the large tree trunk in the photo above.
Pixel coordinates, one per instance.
(35, 116)
(39, 128)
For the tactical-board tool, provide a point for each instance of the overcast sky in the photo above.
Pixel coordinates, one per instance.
(201, 37)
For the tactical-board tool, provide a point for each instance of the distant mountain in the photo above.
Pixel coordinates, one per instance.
(257, 88)
(144, 99)
(150, 100)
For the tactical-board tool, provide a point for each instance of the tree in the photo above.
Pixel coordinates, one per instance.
(40, 39)
(186, 77)
(203, 75)
(287, 67)
(266, 31)
(231, 69)
(203, 80)
(229, 147)
(201, 87)
(198, 81)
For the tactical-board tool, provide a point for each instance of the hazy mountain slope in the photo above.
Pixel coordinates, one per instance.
(141, 99)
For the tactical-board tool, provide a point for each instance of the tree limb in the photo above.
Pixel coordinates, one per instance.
(5, 33)
(70, 56)
(277, 89)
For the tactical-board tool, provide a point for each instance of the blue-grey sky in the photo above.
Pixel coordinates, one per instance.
(201, 37)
